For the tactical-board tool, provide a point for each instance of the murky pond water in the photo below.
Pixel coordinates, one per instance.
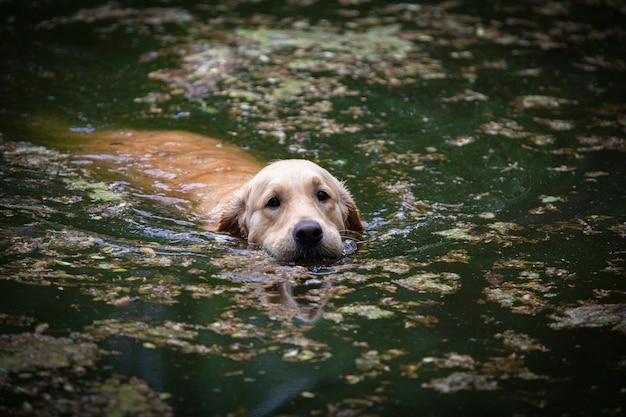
(484, 144)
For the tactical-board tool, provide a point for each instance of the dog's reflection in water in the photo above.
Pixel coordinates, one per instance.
(288, 300)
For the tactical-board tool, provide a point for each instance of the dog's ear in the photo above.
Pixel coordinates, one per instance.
(351, 217)
(232, 218)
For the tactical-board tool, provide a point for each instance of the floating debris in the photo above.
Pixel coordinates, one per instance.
(461, 381)
(443, 283)
(592, 315)
(368, 311)
(28, 352)
(520, 342)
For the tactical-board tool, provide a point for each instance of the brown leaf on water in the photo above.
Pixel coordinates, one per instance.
(596, 62)
(555, 124)
(493, 278)
(520, 341)
(504, 127)
(619, 229)
(543, 102)
(452, 256)
(600, 143)
(461, 381)
(466, 95)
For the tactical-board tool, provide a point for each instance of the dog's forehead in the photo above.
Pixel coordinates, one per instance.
(293, 172)
(295, 164)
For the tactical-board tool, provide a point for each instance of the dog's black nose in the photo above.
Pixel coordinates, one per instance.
(308, 233)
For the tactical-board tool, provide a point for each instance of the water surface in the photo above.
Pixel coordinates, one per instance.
(484, 145)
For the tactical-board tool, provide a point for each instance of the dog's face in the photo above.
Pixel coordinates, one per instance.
(295, 210)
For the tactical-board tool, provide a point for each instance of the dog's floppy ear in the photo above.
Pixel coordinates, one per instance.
(351, 217)
(232, 217)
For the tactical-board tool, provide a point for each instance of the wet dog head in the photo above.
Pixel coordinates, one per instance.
(295, 210)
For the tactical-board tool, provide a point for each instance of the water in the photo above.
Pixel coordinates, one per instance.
(484, 145)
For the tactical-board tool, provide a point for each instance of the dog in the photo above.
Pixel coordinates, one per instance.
(294, 209)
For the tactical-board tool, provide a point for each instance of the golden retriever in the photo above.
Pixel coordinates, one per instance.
(294, 209)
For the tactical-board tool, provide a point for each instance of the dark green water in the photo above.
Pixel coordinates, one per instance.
(483, 142)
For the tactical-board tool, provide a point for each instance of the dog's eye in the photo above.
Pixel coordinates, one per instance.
(273, 202)
(322, 196)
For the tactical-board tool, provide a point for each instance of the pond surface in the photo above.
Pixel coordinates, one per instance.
(483, 142)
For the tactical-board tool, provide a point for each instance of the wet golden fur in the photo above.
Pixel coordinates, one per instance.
(294, 209)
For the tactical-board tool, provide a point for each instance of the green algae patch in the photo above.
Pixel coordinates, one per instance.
(98, 191)
(32, 351)
(370, 312)
(372, 44)
(442, 283)
(120, 398)
(51, 376)
(295, 79)
(459, 233)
